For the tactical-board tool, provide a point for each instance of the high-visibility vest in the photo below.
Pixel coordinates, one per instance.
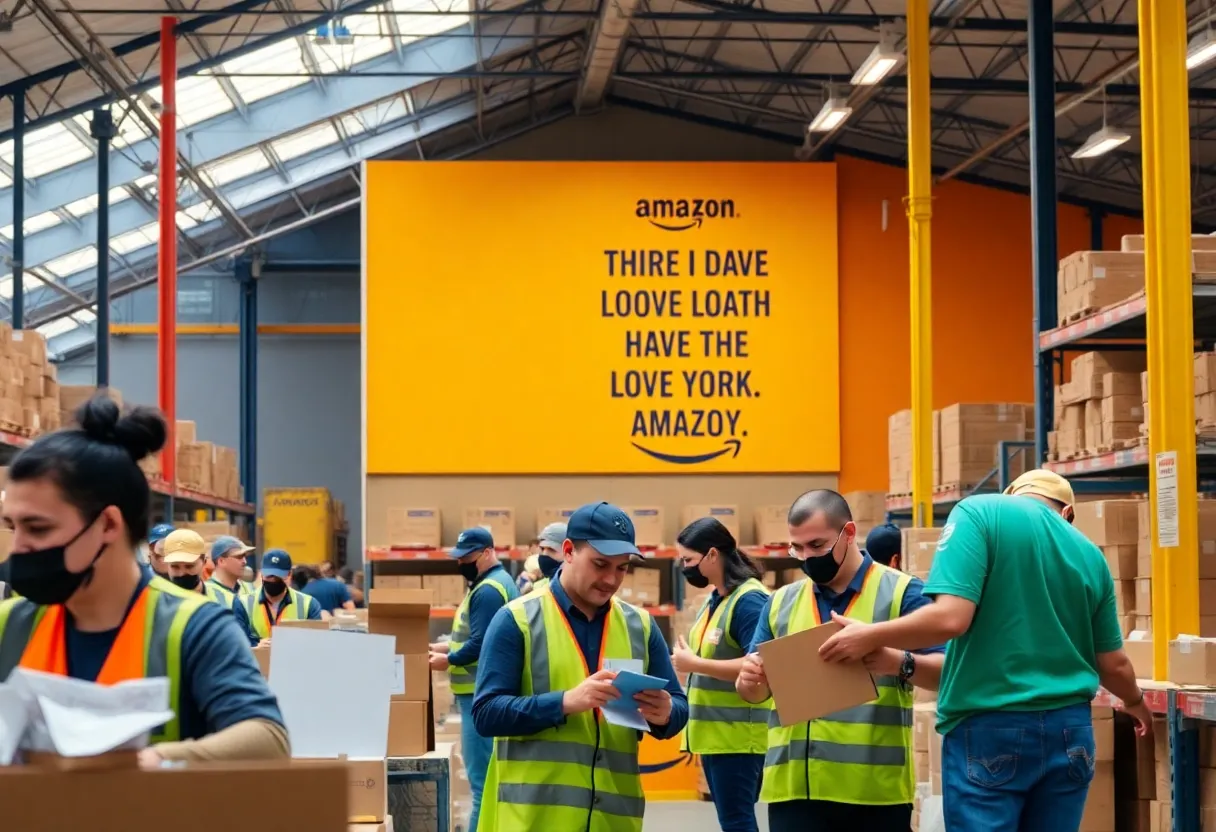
(719, 720)
(582, 774)
(260, 618)
(464, 678)
(218, 594)
(861, 755)
(148, 645)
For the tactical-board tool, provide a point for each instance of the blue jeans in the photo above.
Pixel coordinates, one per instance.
(476, 751)
(734, 785)
(1009, 771)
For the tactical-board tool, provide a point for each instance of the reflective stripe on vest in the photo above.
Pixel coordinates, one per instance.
(860, 755)
(218, 594)
(259, 616)
(168, 610)
(464, 678)
(719, 720)
(582, 774)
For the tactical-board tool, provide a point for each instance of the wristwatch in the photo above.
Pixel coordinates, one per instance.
(907, 667)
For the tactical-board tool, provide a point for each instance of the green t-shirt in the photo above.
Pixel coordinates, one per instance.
(1045, 607)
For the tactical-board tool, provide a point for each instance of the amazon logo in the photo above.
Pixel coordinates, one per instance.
(684, 214)
(716, 433)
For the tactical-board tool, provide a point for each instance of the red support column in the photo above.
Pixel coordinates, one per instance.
(167, 265)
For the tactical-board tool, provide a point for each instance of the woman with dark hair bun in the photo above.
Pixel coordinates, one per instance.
(731, 735)
(78, 505)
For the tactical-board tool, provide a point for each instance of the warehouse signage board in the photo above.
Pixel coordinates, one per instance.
(600, 318)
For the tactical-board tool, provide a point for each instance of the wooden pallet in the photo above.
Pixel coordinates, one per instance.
(964, 487)
(1120, 445)
(1073, 317)
(14, 428)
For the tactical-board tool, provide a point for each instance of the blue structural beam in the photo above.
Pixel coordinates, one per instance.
(102, 129)
(1096, 230)
(278, 115)
(311, 266)
(17, 193)
(1043, 208)
(247, 280)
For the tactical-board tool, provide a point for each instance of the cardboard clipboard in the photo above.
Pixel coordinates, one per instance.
(804, 686)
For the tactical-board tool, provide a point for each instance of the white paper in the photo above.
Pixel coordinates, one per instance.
(626, 718)
(618, 665)
(1166, 469)
(310, 670)
(398, 675)
(14, 717)
(74, 718)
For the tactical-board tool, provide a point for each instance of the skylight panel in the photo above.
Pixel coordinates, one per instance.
(202, 212)
(414, 27)
(4, 180)
(283, 59)
(48, 149)
(374, 116)
(81, 208)
(199, 97)
(352, 40)
(232, 168)
(28, 283)
(136, 239)
(57, 327)
(85, 316)
(34, 224)
(305, 141)
(77, 261)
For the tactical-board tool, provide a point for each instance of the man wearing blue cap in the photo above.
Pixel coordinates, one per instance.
(275, 599)
(156, 548)
(551, 659)
(490, 587)
(228, 556)
(884, 544)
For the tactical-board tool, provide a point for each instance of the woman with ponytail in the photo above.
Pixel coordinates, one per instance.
(78, 505)
(731, 735)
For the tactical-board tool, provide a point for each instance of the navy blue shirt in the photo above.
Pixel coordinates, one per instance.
(831, 602)
(747, 612)
(484, 603)
(500, 711)
(313, 613)
(221, 683)
(330, 593)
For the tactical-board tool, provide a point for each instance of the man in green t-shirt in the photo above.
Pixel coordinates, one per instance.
(1029, 605)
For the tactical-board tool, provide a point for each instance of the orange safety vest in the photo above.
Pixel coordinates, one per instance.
(47, 648)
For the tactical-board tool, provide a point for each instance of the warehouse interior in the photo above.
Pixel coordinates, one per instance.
(1035, 151)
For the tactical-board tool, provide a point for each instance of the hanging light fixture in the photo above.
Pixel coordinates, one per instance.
(1104, 140)
(882, 61)
(1201, 50)
(830, 116)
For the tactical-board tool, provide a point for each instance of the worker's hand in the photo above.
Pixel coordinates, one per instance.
(441, 647)
(885, 661)
(264, 643)
(149, 758)
(854, 641)
(439, 661)
(1142, 716)
(595, 691)
(752, 673)
(654, 705)
(682, 657)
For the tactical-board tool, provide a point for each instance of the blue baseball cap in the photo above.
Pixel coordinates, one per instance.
(159, 532)
(883, 543)
(472, 540)
(607, 528)
(227, 544)
(276, 564)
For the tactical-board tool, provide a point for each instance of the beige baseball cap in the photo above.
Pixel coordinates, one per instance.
(1044, 483)
(184, 546)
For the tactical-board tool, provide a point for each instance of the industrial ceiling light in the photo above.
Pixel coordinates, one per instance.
(1101, 143)
(831, 116)
(881, 61)
(1201, 49)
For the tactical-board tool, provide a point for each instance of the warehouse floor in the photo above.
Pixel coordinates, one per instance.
(661, 816)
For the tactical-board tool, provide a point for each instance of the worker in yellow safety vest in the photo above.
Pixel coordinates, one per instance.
(550, 557)
(184, 554)
(228, 554)
(730, 734)
(851, 769)
(566, 749)
(276, 599)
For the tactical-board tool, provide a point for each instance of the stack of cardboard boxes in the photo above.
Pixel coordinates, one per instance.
(918, 547)
(1100, 408)
(29, 390)
(405, 615)
(1089, 280)
(1114, 526)
(966, 440)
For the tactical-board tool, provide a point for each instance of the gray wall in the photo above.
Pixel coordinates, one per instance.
(309, 387)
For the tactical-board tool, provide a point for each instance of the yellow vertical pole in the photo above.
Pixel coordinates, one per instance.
(1173, 478)
(919, 207)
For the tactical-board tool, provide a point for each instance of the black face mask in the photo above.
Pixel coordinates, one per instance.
(695, 577)
(469, 571)
(187, 581)
(42, 576)
(273, 589)
(549, 565)
(822, 569)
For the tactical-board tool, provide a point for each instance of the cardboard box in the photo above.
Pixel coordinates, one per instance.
(726, 515)
(648, 524)
(415, 527)
(1090, 280)
(500, 521)
(1099, 813)
(405, 614)
(771, 526)
(447, 590)
(642, 586)
(1192, 661)
(411, 732)
(545, 516)
(1109, 522)
(367, 790)
(919, 545)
